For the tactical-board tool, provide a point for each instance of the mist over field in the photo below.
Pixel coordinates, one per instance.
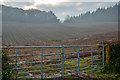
(21, 33)
(22, 27)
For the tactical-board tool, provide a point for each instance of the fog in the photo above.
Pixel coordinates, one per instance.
(24, 33)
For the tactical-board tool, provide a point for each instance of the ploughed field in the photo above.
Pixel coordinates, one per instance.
(55, 35)
(42, 34)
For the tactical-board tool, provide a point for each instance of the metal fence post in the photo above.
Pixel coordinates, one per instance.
(41, 63)
(103, 54)
(78, 62)
(62, 61)
(92, 57)
(59, 56)
(16, 62)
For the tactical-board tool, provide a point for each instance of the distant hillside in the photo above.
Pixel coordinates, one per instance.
(31, 16)
(10, 14)
(100, 15)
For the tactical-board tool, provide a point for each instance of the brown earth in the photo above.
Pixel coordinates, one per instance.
(82, 40)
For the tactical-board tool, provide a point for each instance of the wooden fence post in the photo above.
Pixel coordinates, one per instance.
(107, 53)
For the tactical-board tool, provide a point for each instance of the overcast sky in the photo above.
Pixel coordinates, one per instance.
(61, 8)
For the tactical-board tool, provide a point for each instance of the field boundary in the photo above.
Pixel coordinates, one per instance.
(60, 67)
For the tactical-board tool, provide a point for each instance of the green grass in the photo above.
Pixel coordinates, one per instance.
(106, 76)
(59, 66)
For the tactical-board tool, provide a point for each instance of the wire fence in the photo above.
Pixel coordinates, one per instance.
(54, 61)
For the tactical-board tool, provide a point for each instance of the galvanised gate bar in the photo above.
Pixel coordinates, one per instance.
(54, 61)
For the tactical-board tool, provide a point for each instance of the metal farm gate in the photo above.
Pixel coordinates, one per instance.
(54, 61)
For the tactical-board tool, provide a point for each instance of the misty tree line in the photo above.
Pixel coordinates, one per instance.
(100, 15)
(36, 16)
(32, 15)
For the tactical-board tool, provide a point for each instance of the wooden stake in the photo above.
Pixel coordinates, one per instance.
(107, 53)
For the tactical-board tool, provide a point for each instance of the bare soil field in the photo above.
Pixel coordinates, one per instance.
(54, 35)
(83, 40)
(21, 34)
